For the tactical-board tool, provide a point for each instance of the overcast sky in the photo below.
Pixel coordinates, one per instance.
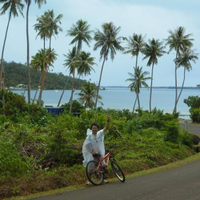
(153, 18)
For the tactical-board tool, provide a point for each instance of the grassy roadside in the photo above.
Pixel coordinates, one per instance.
(141, 173)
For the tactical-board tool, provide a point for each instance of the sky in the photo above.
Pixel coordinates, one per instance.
(152, 18)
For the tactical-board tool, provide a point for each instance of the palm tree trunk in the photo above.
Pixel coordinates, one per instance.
(134, 104)
(99, 82)
(181, 87)
(63, 92)
(176, 93)
(42, 86)
(72, 92)
(136, 83)
(27, 37)
(2, 78)
(138, 101)
(37, 88)
(151, 87)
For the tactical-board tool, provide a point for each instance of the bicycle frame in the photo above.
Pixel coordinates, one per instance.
(106, 158)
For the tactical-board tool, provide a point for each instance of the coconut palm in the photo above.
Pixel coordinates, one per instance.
(109, 42)
(13, 7)
(81, 33)
(38, 63)
(28, 2)
(153, 50)
(71, 63)
(178, 41)
(138, 80)
(135, 46)
(87, 95)
(185, 60)
(85, 63)
(50, 24)
(82, 62)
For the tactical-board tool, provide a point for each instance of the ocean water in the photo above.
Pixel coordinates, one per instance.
(122, 98)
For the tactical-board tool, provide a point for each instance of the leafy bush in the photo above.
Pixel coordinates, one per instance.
(11, 163)
(195, 114)
(76, 106)
(172, 133)
(193, 101)
(61, 147)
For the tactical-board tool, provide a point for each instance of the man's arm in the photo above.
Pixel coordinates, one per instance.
(107, 124)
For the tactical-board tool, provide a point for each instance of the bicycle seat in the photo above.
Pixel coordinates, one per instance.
(96, 155)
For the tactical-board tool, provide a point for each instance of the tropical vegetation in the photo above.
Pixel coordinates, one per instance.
(138, 80)
(178, 41)
(152, 51)
(109, 42)
(81, 33)
(39, 151)
(135, 45)
(43, 152)
(17, 74)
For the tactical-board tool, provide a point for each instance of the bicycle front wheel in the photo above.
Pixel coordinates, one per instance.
(94, 175)
(118, 171)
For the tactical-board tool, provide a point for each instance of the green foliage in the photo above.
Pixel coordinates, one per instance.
(17, 110)
(11, 163)
(61, 147)
(172, 133)
(16, 73)
(195, 114)
(193, 101)
(76, 107)
(36, 144)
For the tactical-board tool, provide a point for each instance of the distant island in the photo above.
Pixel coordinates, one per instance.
(16, 78)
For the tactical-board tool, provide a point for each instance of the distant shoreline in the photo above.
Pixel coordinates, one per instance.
(161, 87)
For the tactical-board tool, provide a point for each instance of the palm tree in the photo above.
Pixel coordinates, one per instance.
(38, 63)
(28, 2)
(71, 63)
(109, 44)
(13, 7)
(50, 24)
(47, 27)
(81, 33)
(178, 41)
(135, 46)
(85, 63)
(184, 60)
(138, 79)
(152, 51)
(87, 95)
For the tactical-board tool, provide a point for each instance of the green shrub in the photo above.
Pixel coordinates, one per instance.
(193, 101)
(172, 132)
(76, 107)
(11, 164)
(61, 148)
(195, 114)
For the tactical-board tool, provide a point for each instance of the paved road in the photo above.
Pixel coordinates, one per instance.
(181, 183)
(190, 127)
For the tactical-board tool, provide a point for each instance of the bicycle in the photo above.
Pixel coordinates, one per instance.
(96, 171)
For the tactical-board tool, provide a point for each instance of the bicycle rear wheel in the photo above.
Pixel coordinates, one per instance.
(93, 174)
(118, 171)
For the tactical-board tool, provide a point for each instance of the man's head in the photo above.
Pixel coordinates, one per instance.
(94, 127)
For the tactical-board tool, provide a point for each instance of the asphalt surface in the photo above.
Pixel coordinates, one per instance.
(181, 183)
(191, 127)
